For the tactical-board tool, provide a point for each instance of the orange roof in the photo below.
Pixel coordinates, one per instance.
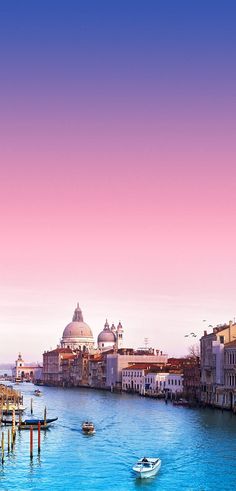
(141, 366)
(58, 350)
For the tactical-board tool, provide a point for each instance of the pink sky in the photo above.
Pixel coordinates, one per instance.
(139, 230)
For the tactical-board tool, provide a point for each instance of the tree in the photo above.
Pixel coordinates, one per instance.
(194, 351)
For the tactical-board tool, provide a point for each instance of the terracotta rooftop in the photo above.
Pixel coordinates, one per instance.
(59, 350)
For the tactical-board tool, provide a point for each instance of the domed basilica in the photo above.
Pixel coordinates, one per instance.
(77, 335)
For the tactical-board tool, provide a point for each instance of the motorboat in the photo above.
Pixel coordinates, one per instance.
(38, 393)
(88, 428)
(147, 467)
(28, 423)
(181, 402)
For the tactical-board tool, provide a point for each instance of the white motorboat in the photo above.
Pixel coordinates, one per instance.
(147, 467)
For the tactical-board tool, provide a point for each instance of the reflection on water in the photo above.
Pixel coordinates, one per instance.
(192, 444)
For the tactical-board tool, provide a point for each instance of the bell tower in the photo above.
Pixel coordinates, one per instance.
(119, 336)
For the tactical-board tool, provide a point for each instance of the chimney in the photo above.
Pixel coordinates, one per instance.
(205, 333)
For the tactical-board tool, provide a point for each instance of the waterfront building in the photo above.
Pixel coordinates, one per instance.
(52, 365)
(174, 382)
(67, 363)
(151, 379)
(80, 369)
(97, 371)
(215, 369)
(123, 358)
(26, 371)
(192, 379)
(77, 335)
(225, 394)
(133, 377)
(229, 398)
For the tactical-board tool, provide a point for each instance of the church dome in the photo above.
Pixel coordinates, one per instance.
(77, 330)
(77, 334)
(107, 335)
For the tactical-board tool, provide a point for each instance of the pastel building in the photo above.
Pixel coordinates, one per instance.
(151, 379)
(26, 371)
(126, 357)
(218, 367)
(53, 363)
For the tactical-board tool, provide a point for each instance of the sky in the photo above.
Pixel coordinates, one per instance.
(117, 170)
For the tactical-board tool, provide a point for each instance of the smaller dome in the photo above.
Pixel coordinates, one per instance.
(106, 336)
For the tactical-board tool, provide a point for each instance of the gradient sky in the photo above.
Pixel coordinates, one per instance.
(118, 170)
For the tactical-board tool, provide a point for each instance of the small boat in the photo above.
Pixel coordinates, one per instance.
(181, 402)
(38, 393)
(147, 467)
(88, 428)
(45, 423)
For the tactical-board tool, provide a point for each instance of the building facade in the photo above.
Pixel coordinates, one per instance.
(52, 365)
(217, 367)
(125, 357)
(23, 371)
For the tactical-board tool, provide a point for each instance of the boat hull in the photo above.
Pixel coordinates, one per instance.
(88, 428)
(26, 425)
(144, 473)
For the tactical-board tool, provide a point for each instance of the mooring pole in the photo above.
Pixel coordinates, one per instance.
(31, 442)
(8, 440)
(13, 425)
(2, 447)
(39, 440)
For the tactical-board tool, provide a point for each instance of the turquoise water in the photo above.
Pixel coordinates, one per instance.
(197, 447)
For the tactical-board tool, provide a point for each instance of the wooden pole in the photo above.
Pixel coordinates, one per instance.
(8, 440)
(2, 447)
(12, 438)
(45, 416)
(39, 442)
(31, 442)
(31, 405)
(13, 423)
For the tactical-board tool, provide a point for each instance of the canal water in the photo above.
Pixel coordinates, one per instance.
(197, 447)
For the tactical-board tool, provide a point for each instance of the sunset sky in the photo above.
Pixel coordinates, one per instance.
(118, 169)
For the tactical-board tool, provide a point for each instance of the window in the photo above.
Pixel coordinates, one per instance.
(222, 338)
